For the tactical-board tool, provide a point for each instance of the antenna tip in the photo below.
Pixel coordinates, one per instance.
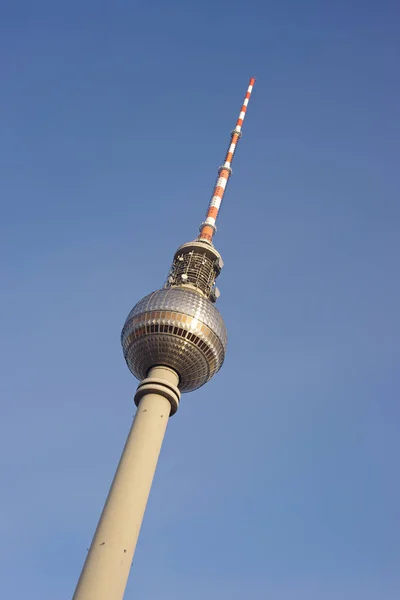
(252, 80)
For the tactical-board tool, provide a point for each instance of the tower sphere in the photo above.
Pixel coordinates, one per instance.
(178, 328)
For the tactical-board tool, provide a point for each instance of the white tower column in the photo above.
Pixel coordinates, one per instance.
(106, 569)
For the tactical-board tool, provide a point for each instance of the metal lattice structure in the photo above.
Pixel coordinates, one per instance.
(196, 265)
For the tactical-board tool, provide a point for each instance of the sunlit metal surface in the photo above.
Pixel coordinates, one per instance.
(177, 328)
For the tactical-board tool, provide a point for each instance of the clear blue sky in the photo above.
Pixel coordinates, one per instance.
(279, 479)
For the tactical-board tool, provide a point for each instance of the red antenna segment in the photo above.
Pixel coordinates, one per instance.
(207, 229)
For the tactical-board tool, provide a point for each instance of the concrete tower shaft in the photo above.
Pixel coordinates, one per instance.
(108, 562)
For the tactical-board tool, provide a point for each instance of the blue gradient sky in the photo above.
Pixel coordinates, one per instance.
(279, 479)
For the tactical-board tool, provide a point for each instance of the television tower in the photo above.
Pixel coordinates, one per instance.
(174, 341)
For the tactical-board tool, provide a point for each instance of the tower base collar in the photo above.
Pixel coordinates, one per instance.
(153, 385)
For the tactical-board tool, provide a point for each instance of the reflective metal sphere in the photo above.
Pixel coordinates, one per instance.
(177, 328)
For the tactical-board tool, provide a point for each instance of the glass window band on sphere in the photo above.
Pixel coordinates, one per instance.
(180, 329)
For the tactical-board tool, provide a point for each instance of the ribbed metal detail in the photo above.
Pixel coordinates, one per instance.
(195, 268)
(177, 328)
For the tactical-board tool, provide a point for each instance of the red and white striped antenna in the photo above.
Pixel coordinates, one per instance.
(208, 228)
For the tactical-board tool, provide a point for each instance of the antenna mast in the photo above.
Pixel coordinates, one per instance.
(208, 228)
